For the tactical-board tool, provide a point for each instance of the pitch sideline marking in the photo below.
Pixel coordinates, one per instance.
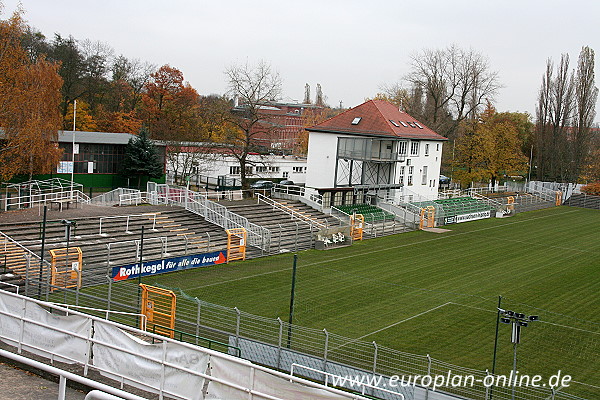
(392, 325)
(377, 251)
(539, 321)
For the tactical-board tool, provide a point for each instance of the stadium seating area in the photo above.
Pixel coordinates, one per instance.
(462, 205)
(168, 232)
(455, 206)
(371, 213)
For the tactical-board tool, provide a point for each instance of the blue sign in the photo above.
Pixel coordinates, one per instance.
(168, 265)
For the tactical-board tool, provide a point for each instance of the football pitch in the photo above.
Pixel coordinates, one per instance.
(437, 293)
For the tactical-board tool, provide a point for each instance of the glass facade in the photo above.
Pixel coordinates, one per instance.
(98, 158)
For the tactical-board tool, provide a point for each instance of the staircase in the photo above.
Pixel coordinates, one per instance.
(168, 232)
(287, 233)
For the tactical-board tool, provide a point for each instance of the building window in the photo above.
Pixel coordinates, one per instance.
(401, 175)
(424, 177)
(410, 180)
(286, 174)
(234, 170)
(298, 170)
(260, 168)
(273, 169)
(437, 147)
(411, 170)
(402, 148)
(427, 149)
(414, 148)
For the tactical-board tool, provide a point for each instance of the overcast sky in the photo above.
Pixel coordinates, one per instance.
(350, 47)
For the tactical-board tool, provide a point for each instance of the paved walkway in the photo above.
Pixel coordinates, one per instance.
(17, 384)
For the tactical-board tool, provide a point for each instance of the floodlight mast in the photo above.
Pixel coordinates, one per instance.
(517, 320)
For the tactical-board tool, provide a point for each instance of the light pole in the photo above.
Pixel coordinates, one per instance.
(73, 146)
(517, 321)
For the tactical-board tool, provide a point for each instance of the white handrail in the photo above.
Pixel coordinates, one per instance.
(291, 212)
(28, 201)
(107, 312)
(156, 357)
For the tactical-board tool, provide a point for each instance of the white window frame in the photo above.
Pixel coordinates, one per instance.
(414, 148)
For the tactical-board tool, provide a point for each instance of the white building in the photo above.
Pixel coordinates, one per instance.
(202, 163)
(374, 145)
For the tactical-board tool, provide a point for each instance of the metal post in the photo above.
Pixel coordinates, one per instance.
(325, 350)
(495, 343)
(62, 387)
(279, 245)
(279, 342)
(109, 296)
(42, 252)
(237, 327)
(292, 295)
(141, 264)
(514, 368)
(198, 320)
(428, 374)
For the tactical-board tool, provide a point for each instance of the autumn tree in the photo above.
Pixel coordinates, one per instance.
(84, 121)
(310, 117)
(170, 105)
(253, 87)
(490, 147)
(29, 99)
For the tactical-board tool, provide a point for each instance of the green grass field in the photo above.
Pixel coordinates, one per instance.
(436, 294)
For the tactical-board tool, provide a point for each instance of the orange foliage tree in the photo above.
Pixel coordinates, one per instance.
(170, 105)
(29, 100)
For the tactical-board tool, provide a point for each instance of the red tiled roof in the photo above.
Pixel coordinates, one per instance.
(376, 118)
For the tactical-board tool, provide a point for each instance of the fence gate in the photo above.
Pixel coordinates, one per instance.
(65, 268)
(236, 244)
(427, 217)
(559, 195)
(158, 305)
(357, 222)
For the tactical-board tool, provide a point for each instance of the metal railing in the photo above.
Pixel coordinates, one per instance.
(308, 196)
(30, 201)
(291, 212)
(149, 216)
(104, 347)
(111, 198)
(212, 212)
(196, 338)
(65, 376)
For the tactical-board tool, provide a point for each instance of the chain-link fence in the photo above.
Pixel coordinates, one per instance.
(278, 344)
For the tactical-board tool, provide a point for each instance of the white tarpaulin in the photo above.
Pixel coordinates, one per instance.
(140, 362)
(44, 340)
(263, 382)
